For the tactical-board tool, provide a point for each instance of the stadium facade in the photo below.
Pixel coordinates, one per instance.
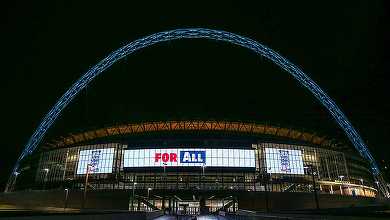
(186, 165)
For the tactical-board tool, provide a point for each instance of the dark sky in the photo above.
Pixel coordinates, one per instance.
(46, 46)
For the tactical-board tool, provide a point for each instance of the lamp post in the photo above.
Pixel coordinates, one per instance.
(149, 191)
(132, 198)
(377, 186)
(265, 179)
(16, 174)
(341, 185)
(165, 186)
(203, 177)
(66, 198)
(313, 173)
(86, 186)
(45, 179)
(165, 174)
(315, 189)
(364, 191)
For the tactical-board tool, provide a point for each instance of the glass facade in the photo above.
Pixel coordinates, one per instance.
(278, 168)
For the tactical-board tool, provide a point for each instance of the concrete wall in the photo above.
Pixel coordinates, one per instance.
(89, 216)
(296, 201)
(110, 200)
(118, 200)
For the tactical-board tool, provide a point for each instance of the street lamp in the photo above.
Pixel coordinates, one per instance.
(313, 173)
(149, 191)
(132, 198)
(165, 186)
(341, 185)
(45, 179)
(86, 185)
(66, 198)
(377, 186)
(265, 177)
(364, 191)
(165, 174)
(16, 174)
(203, 177)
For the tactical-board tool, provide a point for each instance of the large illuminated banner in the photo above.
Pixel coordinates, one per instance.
(189, 157)
(284, 161)
(100, 161)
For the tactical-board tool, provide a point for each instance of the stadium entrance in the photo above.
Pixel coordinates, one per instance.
(184, 203)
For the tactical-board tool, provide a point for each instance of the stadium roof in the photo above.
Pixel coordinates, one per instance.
(198, 125)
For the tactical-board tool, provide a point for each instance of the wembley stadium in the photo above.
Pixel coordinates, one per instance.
(196, 166)
(183, 166)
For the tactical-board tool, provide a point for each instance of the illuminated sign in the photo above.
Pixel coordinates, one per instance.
(187, 157)
(95, 159)
(193, 156)
(284, 161)
(99, 160)
(165, 157)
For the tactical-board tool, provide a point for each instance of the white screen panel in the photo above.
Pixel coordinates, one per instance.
(284, 161)
(189, 157)
(101, 161)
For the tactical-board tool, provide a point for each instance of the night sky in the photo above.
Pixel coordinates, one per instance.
(46, 46)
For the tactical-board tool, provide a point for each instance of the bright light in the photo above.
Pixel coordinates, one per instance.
(96, 161)
(46, 170)
(284, 161)
(189, 157)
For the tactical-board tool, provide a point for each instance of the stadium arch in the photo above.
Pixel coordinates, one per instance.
(202, 33)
